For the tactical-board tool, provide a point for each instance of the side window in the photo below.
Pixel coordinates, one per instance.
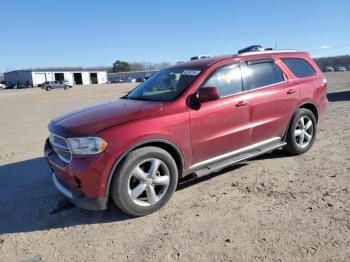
(299, 67)
(228, 80)
(262, 73)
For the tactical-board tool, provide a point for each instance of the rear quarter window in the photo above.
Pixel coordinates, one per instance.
(299, 67)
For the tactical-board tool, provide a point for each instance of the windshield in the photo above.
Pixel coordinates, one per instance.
(164, 86)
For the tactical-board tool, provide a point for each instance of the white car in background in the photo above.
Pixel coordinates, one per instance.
(3, 86)
(341, 69)
(131, 80)
(329, 69)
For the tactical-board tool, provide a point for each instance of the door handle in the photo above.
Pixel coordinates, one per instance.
(241, 103)
(291, 91)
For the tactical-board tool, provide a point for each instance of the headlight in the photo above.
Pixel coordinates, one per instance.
(87, 145)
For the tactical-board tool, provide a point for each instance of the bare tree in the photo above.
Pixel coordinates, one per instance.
(144, 66)
(135, 66)
(333, 61)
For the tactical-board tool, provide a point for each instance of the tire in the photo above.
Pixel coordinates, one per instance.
(126, 185)
(302, 132)
(48, 88)
(65, 87)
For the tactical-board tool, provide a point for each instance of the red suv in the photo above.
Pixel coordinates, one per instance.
(193, 118)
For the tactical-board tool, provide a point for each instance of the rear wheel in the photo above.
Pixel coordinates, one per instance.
(49, 88)
(302, 132)
(145, 181)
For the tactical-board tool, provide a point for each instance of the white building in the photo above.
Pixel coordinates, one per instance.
(36, 78)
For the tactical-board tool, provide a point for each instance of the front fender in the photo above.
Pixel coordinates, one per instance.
(119, 159)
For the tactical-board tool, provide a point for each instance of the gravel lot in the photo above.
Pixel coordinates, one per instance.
(274, 208)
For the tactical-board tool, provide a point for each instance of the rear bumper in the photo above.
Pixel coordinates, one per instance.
(79, 199)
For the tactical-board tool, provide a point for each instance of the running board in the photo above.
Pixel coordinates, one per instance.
(215, 167)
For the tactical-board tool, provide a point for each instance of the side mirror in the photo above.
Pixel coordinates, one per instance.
(206, 94)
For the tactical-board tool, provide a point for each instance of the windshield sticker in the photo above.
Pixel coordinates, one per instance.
(191, 72)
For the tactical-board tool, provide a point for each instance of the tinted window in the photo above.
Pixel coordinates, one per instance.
(299, 67)
(262, 74)
(228, 80)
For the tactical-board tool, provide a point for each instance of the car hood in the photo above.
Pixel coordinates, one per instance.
(91, 120)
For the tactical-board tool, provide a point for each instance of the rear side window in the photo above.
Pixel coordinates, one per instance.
(227, 79)
(262, 73)
(299, 67)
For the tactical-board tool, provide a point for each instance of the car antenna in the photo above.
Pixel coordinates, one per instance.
(276, 45)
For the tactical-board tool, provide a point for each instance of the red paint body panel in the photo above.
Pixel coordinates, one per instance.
(219, 127)
(216, 128)
(90, 120)
(272, 109)
(172, 124)
(90, 171)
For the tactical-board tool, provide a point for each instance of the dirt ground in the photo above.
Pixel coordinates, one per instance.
(274, 208)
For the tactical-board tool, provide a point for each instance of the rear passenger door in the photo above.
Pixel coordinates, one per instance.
(273, 97)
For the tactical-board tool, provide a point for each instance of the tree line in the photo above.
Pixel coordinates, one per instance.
(123, 66)
(334, 61)
(322, 62)
(118, 66)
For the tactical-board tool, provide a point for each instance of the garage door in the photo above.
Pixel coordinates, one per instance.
(40, 78)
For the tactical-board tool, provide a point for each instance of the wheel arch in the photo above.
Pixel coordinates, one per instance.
(312, 107)
(167, 145)
(307, 105)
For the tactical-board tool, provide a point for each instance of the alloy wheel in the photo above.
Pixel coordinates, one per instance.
(304, 131)
(148, 182)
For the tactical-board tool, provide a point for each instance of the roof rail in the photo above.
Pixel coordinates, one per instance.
(267, 52)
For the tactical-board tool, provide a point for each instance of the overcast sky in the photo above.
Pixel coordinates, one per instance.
(92, 33)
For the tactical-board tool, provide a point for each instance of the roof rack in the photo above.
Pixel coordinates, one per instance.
(267, 52)
(200, 57)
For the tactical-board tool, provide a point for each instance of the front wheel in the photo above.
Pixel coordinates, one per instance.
(302, 132)
(145, 181)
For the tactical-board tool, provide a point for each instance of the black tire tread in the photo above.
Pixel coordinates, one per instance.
(116, 185)
(291, 146)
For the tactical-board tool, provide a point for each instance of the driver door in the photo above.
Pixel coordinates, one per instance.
(223, 125)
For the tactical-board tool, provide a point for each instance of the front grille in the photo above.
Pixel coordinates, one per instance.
(60, 146)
